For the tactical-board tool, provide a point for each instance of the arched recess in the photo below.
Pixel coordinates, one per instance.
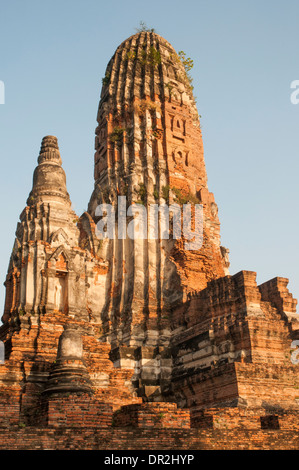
(61, 264)
(59, 237)
(12, 293)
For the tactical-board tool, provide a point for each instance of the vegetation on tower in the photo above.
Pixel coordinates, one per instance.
(143, 28)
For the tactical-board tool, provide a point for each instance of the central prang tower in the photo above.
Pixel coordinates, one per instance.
(148, 147)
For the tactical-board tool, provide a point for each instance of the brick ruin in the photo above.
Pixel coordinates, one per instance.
(140, 343)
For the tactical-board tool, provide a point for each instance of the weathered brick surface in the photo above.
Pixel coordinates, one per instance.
(84, 411)
(141, 439)
(152, 415)
(250, 418)
(235, 347)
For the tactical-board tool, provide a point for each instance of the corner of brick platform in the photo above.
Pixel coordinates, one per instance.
(152, 415)
(76, 410)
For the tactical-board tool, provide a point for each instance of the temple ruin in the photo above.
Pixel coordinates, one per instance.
(122, 343)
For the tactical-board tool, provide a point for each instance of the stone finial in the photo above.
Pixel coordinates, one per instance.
(69, 373)
(49, 180)
(49, 151)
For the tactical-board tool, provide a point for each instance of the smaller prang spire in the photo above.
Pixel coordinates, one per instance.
(49, 180)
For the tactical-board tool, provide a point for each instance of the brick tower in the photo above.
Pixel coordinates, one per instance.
(149, 149)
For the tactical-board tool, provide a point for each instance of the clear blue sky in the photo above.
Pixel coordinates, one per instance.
(53, 56)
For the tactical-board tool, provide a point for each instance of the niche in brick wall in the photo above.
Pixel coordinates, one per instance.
(270, 422)
(61, 285)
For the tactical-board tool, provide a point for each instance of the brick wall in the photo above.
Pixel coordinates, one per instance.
(248, 419)
(74, 410)
(152, 415)
(146, 439)
(74, 421)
